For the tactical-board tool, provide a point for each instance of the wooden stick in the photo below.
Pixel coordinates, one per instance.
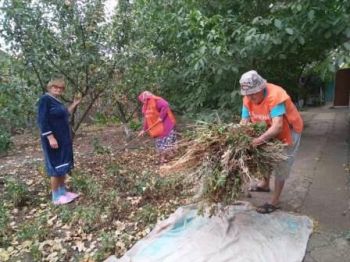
(156, 123)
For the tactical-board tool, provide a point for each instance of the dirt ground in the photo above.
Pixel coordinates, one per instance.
(26, 147)
(318, 187)
(122, 196)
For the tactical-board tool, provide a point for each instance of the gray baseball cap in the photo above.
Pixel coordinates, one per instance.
(251, 82)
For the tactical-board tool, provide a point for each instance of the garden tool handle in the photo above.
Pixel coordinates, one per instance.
(127, 144)
(156, 123)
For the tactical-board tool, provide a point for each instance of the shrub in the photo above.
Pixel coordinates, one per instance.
(5, 141)
(98, 148)
(105, 119)
(87, 217)
(85, 184)
(148, 214)
(16, 192)
(107, 246)
(135, 125)
(4, 219)
(34, 230)
(36, 253)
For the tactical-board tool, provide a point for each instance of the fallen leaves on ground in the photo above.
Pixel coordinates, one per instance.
(122, 197)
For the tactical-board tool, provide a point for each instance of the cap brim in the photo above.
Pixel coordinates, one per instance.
(251, 91)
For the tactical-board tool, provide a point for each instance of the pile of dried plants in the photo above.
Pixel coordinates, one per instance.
(221, 160)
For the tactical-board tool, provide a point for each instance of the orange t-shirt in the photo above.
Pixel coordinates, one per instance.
(261, 112)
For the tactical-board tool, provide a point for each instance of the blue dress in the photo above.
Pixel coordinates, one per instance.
(53, 118)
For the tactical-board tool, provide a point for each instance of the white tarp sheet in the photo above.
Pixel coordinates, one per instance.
(239, 235)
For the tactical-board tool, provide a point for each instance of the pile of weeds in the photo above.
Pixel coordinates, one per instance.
(222, 159)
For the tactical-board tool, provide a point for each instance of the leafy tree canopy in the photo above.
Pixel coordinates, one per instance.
(196, 50)
(63, 38)
(190, 51)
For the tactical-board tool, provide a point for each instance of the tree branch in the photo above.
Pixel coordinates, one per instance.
(61, 71)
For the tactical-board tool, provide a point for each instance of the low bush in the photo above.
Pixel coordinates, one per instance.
(5, 141)
(16, 192)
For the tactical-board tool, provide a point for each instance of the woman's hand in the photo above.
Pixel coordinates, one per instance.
(257, 142)
(52, 141)
(141, 133)
(77, 99)
(274, 130)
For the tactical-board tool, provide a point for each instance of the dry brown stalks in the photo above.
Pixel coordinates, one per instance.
(221, 158)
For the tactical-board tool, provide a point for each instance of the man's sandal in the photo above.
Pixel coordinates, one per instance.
(266, 208)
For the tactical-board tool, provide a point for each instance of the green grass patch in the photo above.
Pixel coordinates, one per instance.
(34, 230)
(84, 183)
(147, 215)
(88, 217)
(107, 246)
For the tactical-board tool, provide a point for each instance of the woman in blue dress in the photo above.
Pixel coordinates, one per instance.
(56, 139)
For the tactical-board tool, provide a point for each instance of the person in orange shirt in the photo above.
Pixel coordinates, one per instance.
(159, 122)
(269, 103)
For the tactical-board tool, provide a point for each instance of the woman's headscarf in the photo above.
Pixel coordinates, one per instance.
(143, 98)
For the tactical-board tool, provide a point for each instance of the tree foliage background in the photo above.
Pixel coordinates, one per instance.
(198, 49)
(192, 52)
